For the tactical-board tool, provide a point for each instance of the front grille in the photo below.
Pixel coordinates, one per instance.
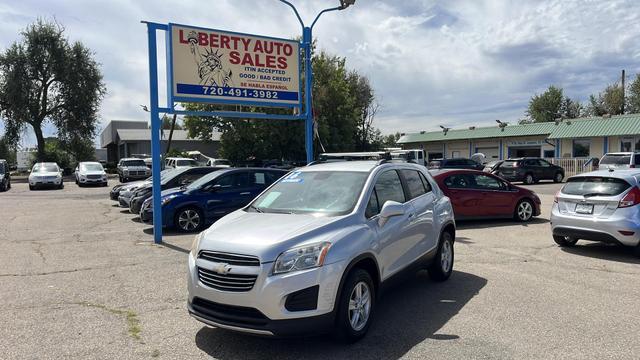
(229, 314)
(94, 176)
(228, 282)
(231, 259)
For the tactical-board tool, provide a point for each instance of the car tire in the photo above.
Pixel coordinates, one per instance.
(636, 251)
(31, 187)
(523, 211)
(105, 184)
(9, 184)
(357, 300)
(442, 266)
(61, 186)
(565, 241)
(529, 179)
(558, 177)
(3, 187)
(185, 219)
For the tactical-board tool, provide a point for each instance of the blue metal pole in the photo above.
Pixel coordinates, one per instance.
(307, 43)
(155, 133)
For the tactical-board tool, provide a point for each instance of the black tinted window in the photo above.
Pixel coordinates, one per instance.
(235, 180)
(594, 186)
(389, 188)
(637, 159)
(372, 206)
(459, 181)
(414, 184)
(425, 182)
(615, 159)
(486, 182)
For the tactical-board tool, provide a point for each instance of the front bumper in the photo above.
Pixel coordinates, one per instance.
(83, 180)
(45, 182)
(124, 201)
(599, 229)
(265, 301)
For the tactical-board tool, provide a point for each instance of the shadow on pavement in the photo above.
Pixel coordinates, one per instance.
(407, 314)
(484, 224)
(624, 254)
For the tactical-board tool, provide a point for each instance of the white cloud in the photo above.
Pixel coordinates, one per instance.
(460, 63)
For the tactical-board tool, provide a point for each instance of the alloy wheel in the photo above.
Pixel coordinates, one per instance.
(446, 256)
(525, 210)
(359, 306)
(189, 220)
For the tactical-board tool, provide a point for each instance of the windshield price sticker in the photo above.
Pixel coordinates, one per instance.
(294, 177)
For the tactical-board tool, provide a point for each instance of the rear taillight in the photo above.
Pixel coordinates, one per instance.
(555, 197)
(632, 166)
(632, 198)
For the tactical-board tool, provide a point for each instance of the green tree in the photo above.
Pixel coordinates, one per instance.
(391, 140)
(166, 123)
(7, 151)
(609, 101)
(46, 79)
(343, 104)
(633, 98)
(551, 105)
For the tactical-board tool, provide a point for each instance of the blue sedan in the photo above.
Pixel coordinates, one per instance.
(211, 197)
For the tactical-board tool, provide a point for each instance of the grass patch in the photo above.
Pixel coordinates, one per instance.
(133, 323)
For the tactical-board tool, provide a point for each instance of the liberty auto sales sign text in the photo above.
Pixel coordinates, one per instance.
(224, 67)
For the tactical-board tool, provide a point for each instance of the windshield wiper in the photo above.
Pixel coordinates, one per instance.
(252, 207)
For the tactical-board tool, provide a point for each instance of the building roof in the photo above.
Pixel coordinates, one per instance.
(145, 135)
(479, 133)
(575, 128)
(596, 127)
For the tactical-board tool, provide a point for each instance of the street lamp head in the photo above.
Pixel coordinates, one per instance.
(346, 3)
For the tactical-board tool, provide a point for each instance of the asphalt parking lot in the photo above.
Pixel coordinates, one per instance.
(81, 278)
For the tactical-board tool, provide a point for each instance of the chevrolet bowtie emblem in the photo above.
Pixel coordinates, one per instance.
(222, 269)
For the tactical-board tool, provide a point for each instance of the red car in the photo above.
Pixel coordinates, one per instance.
(479, 195)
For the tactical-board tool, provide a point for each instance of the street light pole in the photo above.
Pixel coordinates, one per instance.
(307, 44)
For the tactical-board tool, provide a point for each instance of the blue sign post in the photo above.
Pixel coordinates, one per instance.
(221, 67)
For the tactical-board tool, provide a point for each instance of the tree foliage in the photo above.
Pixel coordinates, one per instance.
(343, 104)
(46, 79)
(633, 98)
(7, 151)
(609, 101)
(551, 105)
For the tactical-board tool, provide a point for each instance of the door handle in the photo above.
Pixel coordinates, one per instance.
(245, 193)
(411, 215)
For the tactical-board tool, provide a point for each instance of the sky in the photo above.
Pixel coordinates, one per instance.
(456, 63)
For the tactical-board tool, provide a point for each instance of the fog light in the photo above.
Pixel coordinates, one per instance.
(626, 233)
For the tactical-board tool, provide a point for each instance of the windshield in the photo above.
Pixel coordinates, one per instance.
(615, 159)
(45, 168)
(492, 163)
(222, 162)
(323, 192)
(593, 186)
(204, 180)
(169, 174)
(186, 163)
(91, 167)
(134, 163)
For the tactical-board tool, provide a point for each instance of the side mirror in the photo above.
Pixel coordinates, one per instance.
(389, 209)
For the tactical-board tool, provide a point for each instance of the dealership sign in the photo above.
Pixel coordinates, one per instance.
(216, 66)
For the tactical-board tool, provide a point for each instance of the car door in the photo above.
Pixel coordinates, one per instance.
(420, 229)
(464, 198)
(546, 169)
(497, 199)
(394, 235)
(228, 193)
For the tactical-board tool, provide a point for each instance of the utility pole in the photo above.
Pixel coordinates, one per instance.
(623, 91)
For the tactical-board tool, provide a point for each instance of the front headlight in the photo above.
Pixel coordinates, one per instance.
(301, 258)
(196, 244)
(165, 200)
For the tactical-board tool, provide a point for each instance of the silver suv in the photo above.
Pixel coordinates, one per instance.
(599, 206)
(310, 253)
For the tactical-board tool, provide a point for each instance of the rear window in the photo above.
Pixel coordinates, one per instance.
(595, 186)
(435, 164)
(615, 159)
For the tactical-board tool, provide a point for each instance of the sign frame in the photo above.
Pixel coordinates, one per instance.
(172, 98)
